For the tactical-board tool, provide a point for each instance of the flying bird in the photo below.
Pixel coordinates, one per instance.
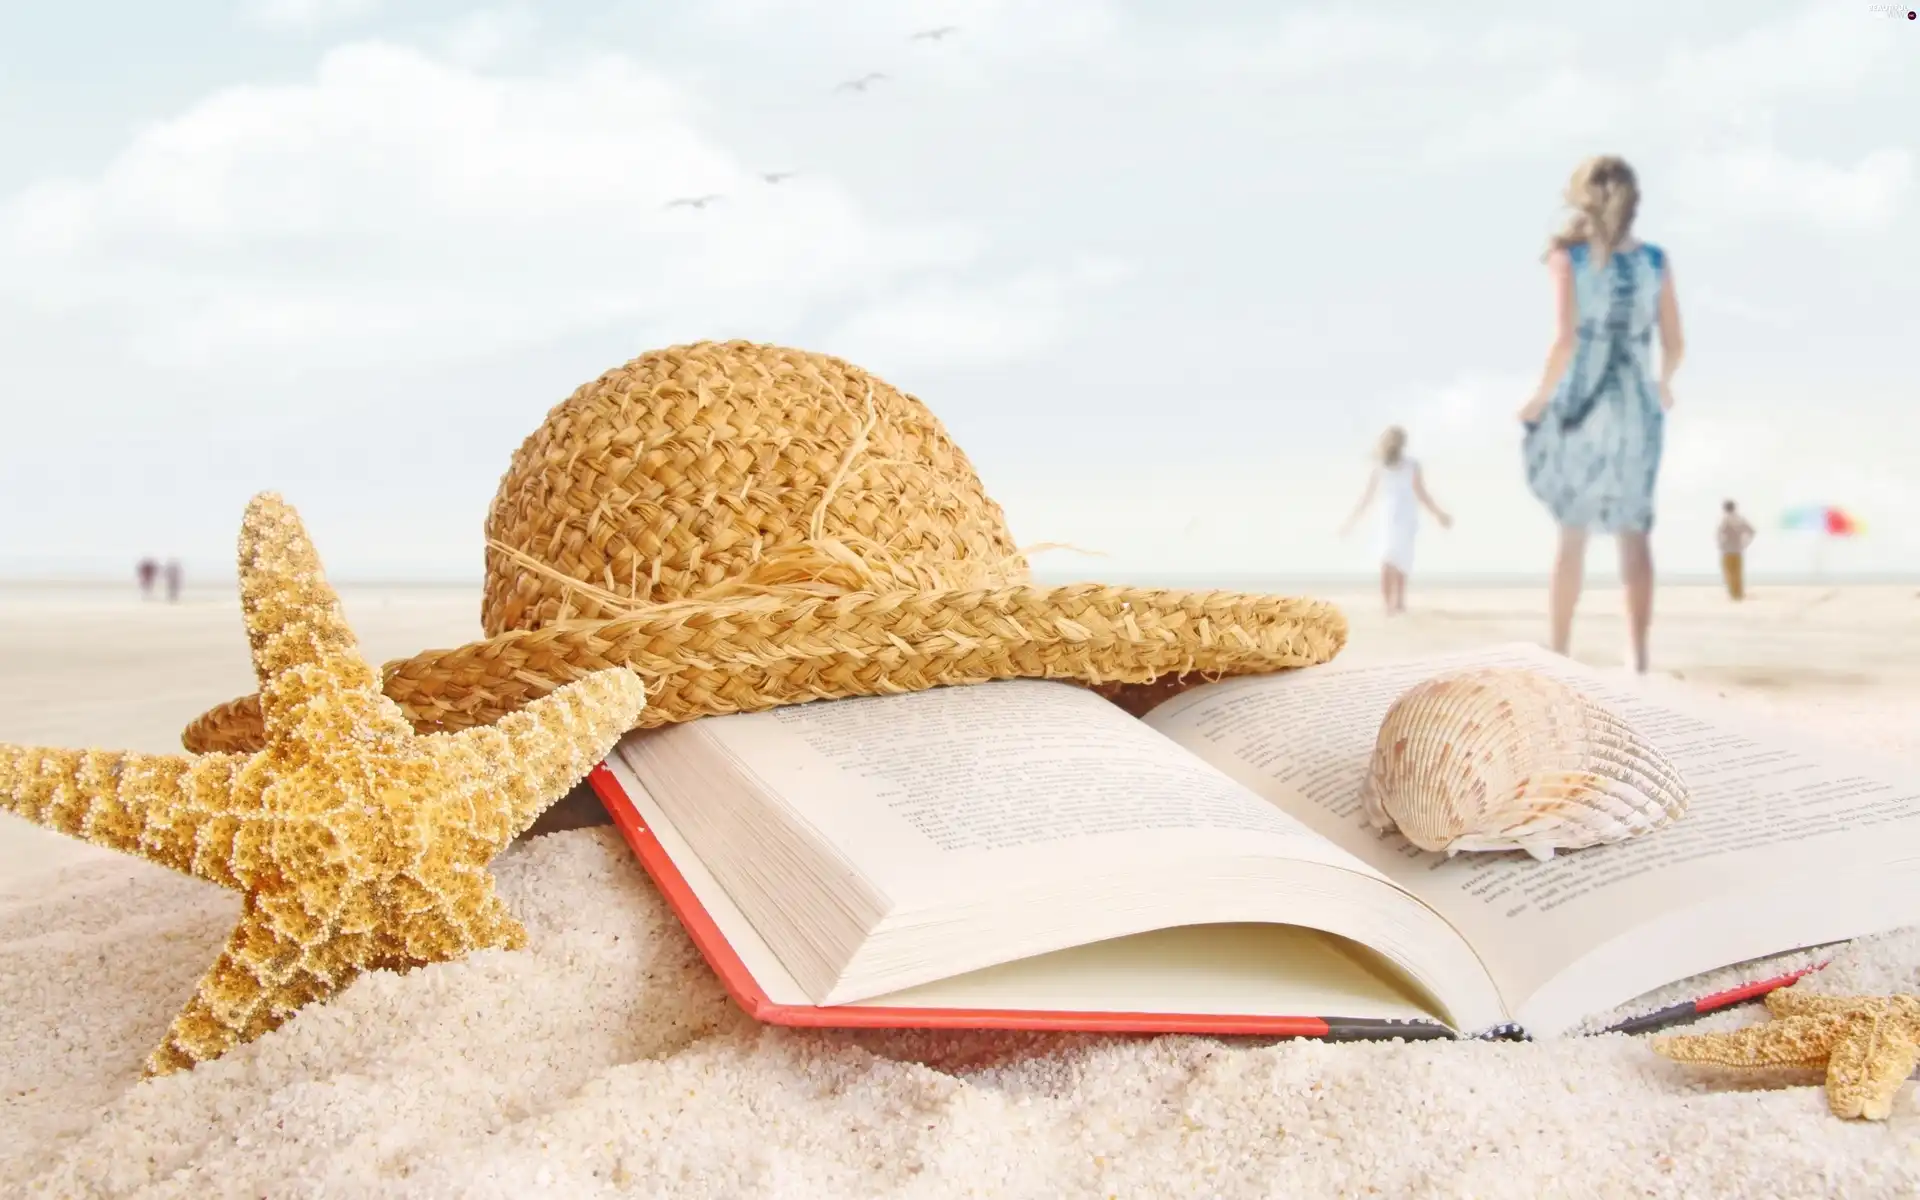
(861, 84)
(934, 35)
(693, 201)
(777, 176)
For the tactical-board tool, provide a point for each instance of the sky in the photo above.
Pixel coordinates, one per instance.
(1164, 270)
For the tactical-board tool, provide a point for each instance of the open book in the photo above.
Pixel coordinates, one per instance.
(1026, 847)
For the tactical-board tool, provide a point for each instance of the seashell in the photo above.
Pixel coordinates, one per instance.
(1495, 759)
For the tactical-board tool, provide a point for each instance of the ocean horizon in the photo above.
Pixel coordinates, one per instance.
(1262, 582)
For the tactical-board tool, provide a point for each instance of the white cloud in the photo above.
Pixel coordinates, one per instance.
(1706, 117)
(482, 38)
(1709, 448)
(1565, 114)
(1327, 42)
(399, 207)
(940, 324)
(1743, 308)
(1821, 50)
(306, 14)
(880, 32)
(1099, 39)
(1761, 183)
(1298, 43)
(1472, 410)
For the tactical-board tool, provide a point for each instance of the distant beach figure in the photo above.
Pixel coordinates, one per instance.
(147, 571)
(1735, 536)
(1403, 490)
(1594, 428)
(174, 573)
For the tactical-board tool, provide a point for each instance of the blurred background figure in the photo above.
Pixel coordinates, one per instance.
(1735, 535)
(1596, 424)
(147, 571)
(1404, 493)
(174, 573)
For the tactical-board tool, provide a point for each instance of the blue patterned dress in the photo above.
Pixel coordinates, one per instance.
(1593, 456)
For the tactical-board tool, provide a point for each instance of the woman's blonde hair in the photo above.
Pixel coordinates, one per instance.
(1393, 444)
(1604, 196)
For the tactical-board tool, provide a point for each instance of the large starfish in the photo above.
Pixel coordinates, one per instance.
(355, 843)
(1868, 1045)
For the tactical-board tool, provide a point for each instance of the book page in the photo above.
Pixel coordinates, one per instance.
(923, 791)
(1764, 807)
(886, 842)
(1220, 970)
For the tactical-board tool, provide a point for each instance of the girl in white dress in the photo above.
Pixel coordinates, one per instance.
(1404, 494)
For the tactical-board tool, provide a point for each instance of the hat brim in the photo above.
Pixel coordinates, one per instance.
(756, 652)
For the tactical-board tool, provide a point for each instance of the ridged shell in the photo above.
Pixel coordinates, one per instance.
(1515, 760)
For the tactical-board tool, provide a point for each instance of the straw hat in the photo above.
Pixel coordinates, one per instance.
(750, 526)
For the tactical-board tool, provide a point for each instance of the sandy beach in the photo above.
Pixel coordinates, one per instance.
(605, 1060)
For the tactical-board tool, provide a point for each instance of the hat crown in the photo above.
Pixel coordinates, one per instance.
(722, 468)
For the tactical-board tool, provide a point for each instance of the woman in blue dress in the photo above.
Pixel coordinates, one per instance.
(1594, 427)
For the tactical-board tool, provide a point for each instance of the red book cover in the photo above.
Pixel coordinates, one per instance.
(748, 993)
(750, 996)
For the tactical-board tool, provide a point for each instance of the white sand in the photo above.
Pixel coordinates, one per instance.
(605, 1060)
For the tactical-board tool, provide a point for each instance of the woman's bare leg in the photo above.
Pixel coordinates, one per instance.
(1569, 571)
(1393, 588)
(1636, 573)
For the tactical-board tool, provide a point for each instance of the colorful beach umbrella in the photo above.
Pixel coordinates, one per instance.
(1822, 518)
(1825, 523)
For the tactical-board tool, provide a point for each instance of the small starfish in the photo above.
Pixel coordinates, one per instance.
(355, 843)
(1868, 1045)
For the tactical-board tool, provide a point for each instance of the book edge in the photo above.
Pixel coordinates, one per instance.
(1674, 1014)
(745, 991)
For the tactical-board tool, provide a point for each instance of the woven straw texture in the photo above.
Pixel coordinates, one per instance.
(749, 526)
